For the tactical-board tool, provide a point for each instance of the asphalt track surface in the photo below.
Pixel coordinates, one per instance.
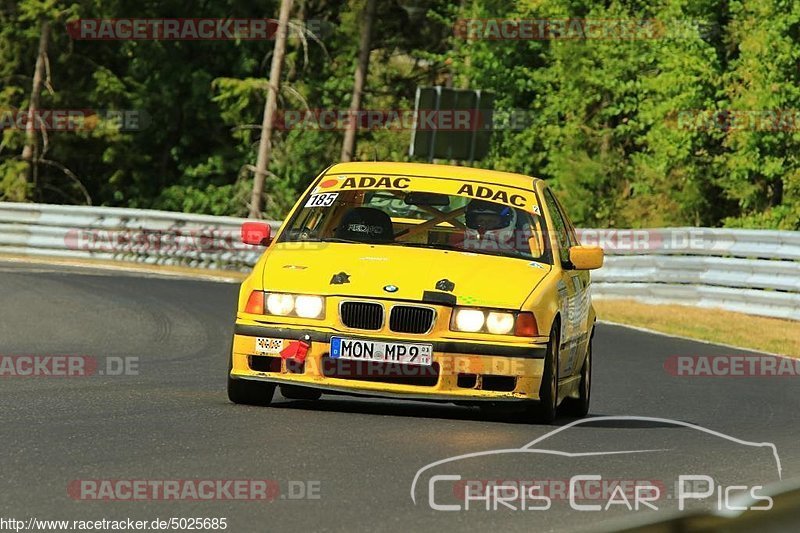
(173, 421)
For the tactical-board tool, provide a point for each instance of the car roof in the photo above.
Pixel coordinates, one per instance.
(434, 171)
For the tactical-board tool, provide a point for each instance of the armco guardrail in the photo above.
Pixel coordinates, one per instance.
(136, 235)
(750, 271)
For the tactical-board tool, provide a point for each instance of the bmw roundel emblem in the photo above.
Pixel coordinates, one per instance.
(390, 288)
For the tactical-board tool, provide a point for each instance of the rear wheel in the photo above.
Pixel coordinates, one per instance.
(545, 410)
(293, 392)
(579, 407)
(247, 392)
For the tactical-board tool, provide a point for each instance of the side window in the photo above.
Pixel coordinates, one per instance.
(559, 227)
(573, 237)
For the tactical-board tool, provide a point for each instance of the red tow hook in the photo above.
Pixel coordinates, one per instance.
(297, 350)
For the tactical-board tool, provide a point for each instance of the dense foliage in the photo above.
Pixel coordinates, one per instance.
(607, 120)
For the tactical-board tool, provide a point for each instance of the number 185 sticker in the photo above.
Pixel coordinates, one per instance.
(324, 199)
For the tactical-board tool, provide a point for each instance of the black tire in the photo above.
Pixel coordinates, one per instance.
(294, 392)
(248, 392)
(580, 407)
(546, 409)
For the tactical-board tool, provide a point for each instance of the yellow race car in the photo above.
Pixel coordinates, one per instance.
(417, 281)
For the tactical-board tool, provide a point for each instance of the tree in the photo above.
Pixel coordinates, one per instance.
(362, 67)
(265, 144)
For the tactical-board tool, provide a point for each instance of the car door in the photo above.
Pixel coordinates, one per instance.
(567, 286)
(579, 311)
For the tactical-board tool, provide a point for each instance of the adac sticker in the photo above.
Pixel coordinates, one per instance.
(375, 182)
(494, 195)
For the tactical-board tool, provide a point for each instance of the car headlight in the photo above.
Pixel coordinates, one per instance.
(500, 323)
(469, 320)
(309, 306)
(280, 304)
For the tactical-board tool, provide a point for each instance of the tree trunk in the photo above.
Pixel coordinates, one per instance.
(29, 150)
(349, 144)
(265, 143)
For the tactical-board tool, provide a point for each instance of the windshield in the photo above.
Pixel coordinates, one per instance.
(419, 218)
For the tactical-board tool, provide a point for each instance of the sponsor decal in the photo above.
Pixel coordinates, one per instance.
(325, 199)
(477, 300)
(364, 228)
(487, 193)
(269, 346)
(370, 182)
(445, 285)
(328, 183)
(340, 278)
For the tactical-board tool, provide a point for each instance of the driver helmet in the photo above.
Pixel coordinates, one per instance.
(489, 221)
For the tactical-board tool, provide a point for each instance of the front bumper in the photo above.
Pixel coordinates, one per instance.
(461, 371)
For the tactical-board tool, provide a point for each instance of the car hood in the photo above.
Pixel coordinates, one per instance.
(365, 271)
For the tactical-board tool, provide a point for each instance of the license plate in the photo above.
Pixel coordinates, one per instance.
(389, 352)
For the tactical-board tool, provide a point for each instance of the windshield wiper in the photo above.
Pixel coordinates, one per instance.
(336, 239)
(444, 246)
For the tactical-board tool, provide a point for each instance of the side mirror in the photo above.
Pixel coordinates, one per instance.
(256, 233)
(586, 257)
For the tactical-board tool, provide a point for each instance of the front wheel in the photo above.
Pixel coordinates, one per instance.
(248, 392)
(545, 410)
(579, 407)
